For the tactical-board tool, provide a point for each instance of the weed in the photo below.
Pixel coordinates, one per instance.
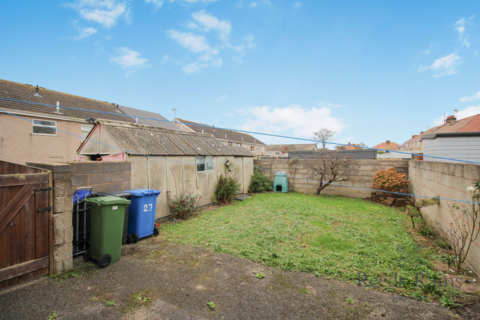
(109, 303)
(305, 291)
(349, 301)
(448, 302)
(211, 305)
(259, 275)
(53, 316)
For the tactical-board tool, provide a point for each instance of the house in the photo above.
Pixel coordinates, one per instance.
(227, 137)
(140, 115)
(455, 139)
(349, 146)
(387, 145)
(171, 161)
(33, 130)
(282, 150)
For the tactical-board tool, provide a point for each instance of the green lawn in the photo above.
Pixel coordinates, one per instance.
(332, 236)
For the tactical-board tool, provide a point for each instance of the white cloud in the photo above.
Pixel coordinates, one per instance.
(192, 42)
(443, 66)
(476, 96)
(253, 4)
(460, 28)
(462, 114)
(209, 22)
(104, 12)
(84, 32)
(228, 114)
(294, 120)
(129, 59)
(194, 67)
(297, 5)
(197, 43)
(222, 98)
(156, 4)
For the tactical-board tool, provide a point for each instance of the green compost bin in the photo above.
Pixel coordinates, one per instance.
(280, 183)
(107, 218)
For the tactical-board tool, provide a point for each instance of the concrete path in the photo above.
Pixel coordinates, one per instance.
(161, 280)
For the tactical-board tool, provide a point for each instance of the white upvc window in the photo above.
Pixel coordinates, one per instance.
(86, 128)
(45, 127)
(239, 144)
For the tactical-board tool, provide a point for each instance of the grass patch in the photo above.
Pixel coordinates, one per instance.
(81, 271)
(328, 235)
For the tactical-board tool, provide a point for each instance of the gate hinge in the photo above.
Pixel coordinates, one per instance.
(42, 189)
(44, 209)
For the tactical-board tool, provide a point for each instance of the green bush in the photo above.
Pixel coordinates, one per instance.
(184, 205)
(227, 190)
(260, 183)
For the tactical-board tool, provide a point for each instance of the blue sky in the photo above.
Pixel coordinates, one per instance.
(370, 70)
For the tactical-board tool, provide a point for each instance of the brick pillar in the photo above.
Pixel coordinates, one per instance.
(62, 215)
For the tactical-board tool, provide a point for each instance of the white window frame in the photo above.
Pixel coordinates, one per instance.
(83, 129)
(239, 144)
(43, 126)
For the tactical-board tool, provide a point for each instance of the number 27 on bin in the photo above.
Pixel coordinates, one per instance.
(147, 207)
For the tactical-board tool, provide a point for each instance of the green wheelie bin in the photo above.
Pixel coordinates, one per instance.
(107, 218)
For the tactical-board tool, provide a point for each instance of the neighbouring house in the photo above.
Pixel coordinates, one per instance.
(282, 150)
(349, 146)
(227, 137)
(385, 152)
(34, 130)
(154, 119)
(171, 161)
(457, 139)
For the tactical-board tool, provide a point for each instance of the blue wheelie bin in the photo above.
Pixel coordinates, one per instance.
(141, 219)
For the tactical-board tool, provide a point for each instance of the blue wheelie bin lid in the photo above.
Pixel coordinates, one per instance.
(81, 195)
(143, 192)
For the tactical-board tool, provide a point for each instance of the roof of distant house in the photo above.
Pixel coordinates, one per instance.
(348, 147)
(143, 140)
(293, 147)
(220, 133)
(387, 145)
(138, 115)
(25, 92)
(469, 124)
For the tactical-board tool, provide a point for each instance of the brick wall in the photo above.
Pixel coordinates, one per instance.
(449, 181)
(361, 177)
(67, 177)
(101, 176)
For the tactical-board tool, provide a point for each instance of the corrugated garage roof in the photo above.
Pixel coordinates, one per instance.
(151, 141)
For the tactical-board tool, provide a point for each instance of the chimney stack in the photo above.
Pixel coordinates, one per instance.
(388, 142)
(450, 119)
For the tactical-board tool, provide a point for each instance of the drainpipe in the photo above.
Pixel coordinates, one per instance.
(148, 170)
(183, 181)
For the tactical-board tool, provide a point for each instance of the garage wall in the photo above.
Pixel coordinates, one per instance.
(177, 174)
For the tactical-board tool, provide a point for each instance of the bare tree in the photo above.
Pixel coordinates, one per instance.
(285, 149)
(329, 166)
(323, 135)
(465, 227)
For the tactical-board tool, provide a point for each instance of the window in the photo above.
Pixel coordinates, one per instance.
(45, 127)
(277, 153)
(200, 160)
(229, 144)
(209, 163)
(252, 148)
(263, 149)
(204, 163)
(239, 144)
(258, 148)
(86, 128)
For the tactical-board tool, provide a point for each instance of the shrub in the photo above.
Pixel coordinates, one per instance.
(390, 180)
(227, 190)
(184, 205)
(260, 183)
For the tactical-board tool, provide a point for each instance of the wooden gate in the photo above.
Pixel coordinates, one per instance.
(26, 235)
